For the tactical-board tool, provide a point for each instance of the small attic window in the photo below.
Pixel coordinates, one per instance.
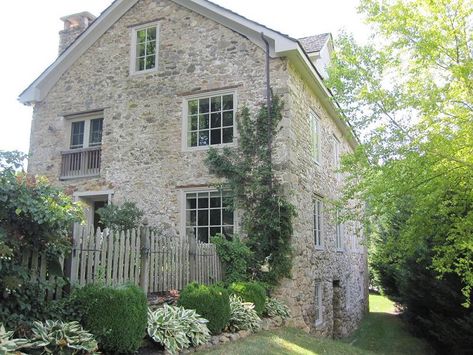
(144, 49)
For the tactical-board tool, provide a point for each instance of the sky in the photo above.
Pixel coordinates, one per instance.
(29, 36)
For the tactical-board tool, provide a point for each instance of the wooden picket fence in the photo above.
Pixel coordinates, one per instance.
(154, 262)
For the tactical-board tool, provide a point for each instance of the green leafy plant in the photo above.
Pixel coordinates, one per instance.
(8, 344)
(117, 316)
(177, 328)
(56, 337)
(126, 216)
(275, 308)
(250, 292)
(249, 178)
(243, 315)
(211, 302)
(235, 256)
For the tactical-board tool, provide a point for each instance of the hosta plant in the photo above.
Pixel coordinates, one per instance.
(243, 315)
(56, 337)
(9, 345)
(275, 308)
(177, 328)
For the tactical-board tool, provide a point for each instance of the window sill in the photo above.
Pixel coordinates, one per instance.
(143, 72)
(207, 147)
(319, 248)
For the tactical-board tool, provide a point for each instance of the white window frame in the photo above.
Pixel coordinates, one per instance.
(339, 231)
(318, 218)
(318, 303)
(315, 137)
(183, 201)
(87, 118)
(134, 30)
(185, 123)
(336, 157)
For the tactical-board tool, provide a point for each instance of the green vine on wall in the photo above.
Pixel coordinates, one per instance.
(248, 171)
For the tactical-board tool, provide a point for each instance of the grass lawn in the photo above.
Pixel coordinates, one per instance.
(381, 332)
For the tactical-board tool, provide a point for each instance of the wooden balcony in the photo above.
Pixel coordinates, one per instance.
(79, 163)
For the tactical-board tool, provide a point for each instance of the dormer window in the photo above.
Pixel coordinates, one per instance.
(144, 48)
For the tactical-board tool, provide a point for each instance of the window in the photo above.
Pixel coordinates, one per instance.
(208, 213)
(315, 136)
(318, 303)
(318, 222)
(210, 120)
(338, 232)
(86, 131)
(144, 48)
(336, 156)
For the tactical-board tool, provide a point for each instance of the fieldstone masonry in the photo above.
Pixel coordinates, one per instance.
(143, 159)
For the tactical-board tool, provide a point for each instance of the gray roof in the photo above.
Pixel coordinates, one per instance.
(314, 43)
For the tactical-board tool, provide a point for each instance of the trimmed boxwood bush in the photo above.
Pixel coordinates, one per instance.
(252, 292)
(211, 302)
(117, 316)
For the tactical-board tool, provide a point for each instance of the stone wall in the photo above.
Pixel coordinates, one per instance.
(345, 303)
(142, 156)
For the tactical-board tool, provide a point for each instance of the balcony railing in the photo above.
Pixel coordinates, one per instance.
(78, 163)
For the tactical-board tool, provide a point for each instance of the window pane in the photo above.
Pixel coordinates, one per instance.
(150, 62)
(193, 123)
(203, 138)
(228, 102)
(227, 217)
(77, 134)
(215, 217)
(140, 64)
(215, 136)
(191, 218)
(193, 139)
(151, 32)
(216, 103)
(141, 36)
(228, 118)
(203, 235)
(203, 200)
(192, 107)
(227, 135)
(204, 105)
(216, 120)
(151, 48)
(95, 136)
(203, 218)
(140, 49)
(204, 121)
(215, 200)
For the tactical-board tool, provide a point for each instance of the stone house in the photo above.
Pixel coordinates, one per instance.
(130, 106)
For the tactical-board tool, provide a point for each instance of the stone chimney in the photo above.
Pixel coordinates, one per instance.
(74, 25)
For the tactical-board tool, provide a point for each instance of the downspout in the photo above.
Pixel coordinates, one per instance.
(268, 105)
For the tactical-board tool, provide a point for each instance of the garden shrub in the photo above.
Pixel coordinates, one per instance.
(177, 328)
(211, 302)
(235, 257)
(274, 308)
(252, 292)
(243, 315)
(117, 316)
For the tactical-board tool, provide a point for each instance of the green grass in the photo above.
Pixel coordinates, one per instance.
(381, 332)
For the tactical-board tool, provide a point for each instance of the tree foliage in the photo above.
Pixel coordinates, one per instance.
(33, 216)
(409, 96)
(249, 177)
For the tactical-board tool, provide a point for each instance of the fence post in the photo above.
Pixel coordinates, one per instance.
(76, 235)
(144, 265)
(192, 258)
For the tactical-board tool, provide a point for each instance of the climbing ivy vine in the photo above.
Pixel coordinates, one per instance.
(249, 178)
